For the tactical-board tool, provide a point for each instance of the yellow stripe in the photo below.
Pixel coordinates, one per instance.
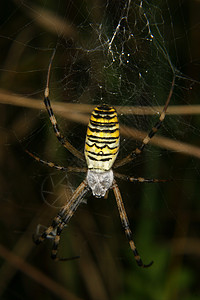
(104, 120)
(103, 134)
(103, 151)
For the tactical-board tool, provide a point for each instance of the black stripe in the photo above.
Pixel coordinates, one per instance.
(97, 116)
(101, 138)
(104, 106)
(55, 246)
(103, 124)
(103, 130)
(104, 159)
(50, 112)
(99, 154)
(46, 101)
(151, 134)
(141, 147)
(48, 107)
(95, 141)
(157, 126)
(103, 112)
(99, 147)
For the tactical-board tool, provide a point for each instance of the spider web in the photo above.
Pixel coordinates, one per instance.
(122, 60)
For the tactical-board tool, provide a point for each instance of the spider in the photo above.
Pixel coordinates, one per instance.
(101, 150)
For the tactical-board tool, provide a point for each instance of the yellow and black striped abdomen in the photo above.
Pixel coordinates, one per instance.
(102, 139)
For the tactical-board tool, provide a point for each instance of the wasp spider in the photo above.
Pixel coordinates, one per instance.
(101, 150)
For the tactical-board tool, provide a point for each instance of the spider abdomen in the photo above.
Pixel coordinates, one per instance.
(102, 139)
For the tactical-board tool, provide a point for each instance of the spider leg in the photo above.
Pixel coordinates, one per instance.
(56, 241)
(54, 250)
(125, 224)
(139, 179)
(63, 217)
(53, 120)
(48, 231)
(66, 214)
(53, 165)
(149, 136)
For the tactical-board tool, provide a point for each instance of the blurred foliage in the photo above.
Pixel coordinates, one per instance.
(164, 217)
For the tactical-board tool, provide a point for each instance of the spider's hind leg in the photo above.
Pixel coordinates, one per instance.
(48, 232)
(62, 219)
(54, 251)
(125, 224)
(56, 241)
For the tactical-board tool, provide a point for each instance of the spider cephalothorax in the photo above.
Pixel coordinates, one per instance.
(99, 182)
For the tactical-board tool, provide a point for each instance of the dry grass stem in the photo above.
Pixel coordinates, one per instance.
(36, 275)
(186, 245)
(77, 113)
(59, 107)
(162, 142)
(48, 20)
(23, 246)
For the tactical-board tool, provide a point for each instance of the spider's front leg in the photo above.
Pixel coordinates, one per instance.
(150, 135)
(53, 120)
